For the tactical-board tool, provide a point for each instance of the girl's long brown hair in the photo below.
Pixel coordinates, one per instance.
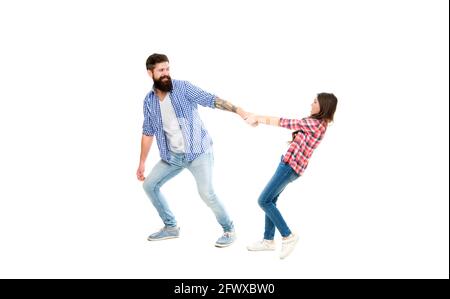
(327, 103)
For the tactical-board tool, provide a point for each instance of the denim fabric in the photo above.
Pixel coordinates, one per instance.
(269, 197)
(201, 168)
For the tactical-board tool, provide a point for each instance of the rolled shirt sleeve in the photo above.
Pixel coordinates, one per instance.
(199, 96)
(147, 127)
(307, 125)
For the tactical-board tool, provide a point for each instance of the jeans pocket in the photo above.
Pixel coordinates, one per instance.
(176, 160)
(294, 176)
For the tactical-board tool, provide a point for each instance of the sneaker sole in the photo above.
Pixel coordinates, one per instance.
(223, 245)
(271, 249)
(161, 239)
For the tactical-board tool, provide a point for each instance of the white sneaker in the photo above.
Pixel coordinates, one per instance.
(288, 245)
(264, 245)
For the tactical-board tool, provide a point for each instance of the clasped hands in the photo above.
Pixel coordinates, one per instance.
(250, 119)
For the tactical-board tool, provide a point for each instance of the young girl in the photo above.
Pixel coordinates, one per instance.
(308, 132)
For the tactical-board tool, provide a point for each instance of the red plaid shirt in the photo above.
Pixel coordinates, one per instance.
(308, 138)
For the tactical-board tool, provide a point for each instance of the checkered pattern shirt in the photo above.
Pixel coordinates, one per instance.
(311, 132)
(185, 97)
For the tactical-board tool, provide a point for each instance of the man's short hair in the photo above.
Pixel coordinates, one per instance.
(155, 58)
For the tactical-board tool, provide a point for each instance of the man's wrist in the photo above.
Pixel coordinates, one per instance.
(241, 112)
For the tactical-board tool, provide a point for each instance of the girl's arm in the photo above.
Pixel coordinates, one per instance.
(263, 119)
(306, 125)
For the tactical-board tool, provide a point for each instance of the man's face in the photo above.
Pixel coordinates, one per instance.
(161, 76)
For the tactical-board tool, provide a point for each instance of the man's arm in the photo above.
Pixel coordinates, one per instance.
(146, 144)
(227, 106)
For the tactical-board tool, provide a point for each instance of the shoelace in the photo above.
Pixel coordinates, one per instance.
(227, 234)
(164, 229)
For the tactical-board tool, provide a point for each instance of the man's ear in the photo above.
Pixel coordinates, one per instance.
(150, 73)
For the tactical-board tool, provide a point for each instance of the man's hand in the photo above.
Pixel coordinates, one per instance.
(248, 117)
(251, 119)
(140, 172)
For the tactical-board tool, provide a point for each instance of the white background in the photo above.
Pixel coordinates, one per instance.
(373, 202)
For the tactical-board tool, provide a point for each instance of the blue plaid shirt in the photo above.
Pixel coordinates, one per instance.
(185, 97)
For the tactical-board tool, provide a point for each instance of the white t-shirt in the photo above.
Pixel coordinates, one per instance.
(171, 126)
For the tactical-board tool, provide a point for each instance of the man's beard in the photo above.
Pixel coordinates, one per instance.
(163, 85)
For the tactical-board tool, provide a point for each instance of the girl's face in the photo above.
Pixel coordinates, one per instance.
(315, 107)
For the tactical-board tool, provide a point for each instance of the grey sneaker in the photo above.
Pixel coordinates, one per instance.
(167, 232)
(226, 240)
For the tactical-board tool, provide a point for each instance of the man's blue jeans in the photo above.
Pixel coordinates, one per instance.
(201, 168)
(269, 197)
